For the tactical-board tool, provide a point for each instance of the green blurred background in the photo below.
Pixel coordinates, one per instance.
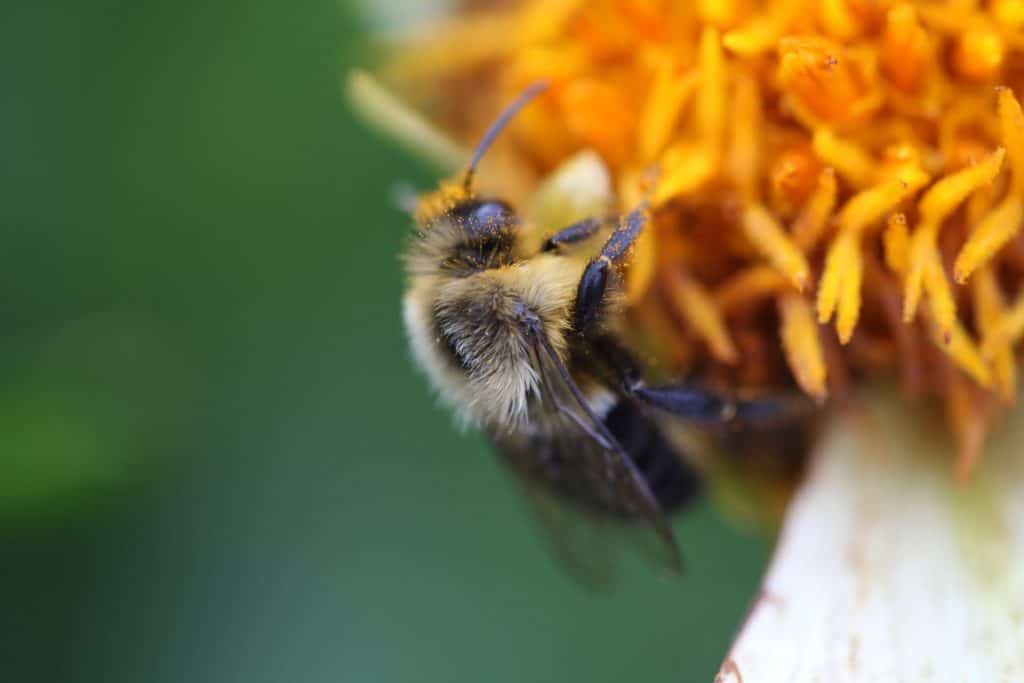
(216, 460)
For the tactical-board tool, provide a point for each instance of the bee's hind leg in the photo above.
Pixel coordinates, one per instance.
(690, 401)
(702, 405)
(590, 294)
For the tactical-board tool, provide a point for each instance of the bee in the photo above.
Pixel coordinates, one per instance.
(526, 345)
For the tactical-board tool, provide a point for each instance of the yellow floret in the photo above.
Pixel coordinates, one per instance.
(800, 341)
(925, 269)
(771, 240)
(845, 161)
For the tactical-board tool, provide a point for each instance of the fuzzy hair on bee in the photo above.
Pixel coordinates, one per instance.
(470, 284)
(524, 343)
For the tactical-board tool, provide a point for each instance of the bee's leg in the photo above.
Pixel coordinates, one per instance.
(590, 294)
(624, 367)
(689, 401)
(702, 405)
(573, 234)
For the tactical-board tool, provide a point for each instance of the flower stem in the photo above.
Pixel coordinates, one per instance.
(888, 568)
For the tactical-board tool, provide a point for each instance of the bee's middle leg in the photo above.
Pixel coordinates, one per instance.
(691, 401)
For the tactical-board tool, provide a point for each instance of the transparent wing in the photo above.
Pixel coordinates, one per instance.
(570, 457)
(577, 541)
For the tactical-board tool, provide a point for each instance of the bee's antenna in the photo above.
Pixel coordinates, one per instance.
(499, 125)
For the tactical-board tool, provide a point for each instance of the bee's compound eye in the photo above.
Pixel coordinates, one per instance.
(485, 216)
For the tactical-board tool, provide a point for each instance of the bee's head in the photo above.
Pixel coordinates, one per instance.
(459, 231)
(462, 235)
(482, 218)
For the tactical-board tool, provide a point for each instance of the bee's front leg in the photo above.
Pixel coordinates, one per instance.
(590, 294)
(573, 234)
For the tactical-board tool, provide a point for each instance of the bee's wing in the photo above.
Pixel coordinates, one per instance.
(578, 542)
(572, 455)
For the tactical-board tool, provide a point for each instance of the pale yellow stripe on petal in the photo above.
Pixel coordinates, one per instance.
(768, 237)
(802, 344)
(809, 227)
(989, 236)
(1011, 121)
(698, 308)
(850, 160)
(989, 309)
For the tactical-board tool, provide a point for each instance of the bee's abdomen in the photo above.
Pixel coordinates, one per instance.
(672, 480)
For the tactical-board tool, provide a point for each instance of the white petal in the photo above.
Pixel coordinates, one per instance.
(580, 188)
(888, 569)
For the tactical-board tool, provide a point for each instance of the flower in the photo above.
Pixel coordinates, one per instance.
(858, 164)
(839, 191)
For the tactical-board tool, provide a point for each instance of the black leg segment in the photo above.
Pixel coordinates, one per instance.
(700, 405)
(690, 403)
(624, 236)
(573, 234)
(670, 478)
(590, 294)
(626, 371)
